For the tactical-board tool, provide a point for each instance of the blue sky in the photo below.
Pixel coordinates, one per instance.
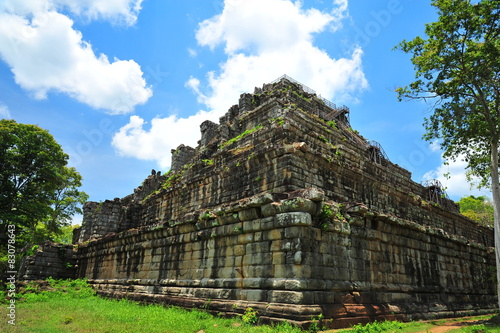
(120, 83)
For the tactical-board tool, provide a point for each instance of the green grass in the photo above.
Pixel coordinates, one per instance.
(245, 133)
(389, 327)
(72, 307)
(426, 326)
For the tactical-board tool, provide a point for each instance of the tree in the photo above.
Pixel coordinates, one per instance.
(66, 200)
(66, 235)
(36, 186)
(479, 209)
(458, 68)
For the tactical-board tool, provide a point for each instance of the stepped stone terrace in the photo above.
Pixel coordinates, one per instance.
(284, 208)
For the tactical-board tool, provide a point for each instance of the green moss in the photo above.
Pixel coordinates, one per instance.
(207, 215)
(332, 123)
(280, 121)
(175, 177)
(301, 96)
(242, 135)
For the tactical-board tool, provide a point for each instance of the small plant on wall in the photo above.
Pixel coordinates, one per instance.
(250, 316)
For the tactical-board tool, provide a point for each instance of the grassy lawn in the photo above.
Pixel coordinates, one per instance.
(71, 306)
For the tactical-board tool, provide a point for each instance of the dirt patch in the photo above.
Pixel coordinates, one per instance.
(452, 325)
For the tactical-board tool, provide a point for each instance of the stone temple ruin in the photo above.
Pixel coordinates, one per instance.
(284, 208)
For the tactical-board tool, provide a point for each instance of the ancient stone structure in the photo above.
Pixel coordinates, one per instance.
(284, 208)
(48, 260)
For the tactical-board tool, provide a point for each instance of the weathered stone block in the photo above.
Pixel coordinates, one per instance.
(291, 297)
(248, 214)
(294, 218)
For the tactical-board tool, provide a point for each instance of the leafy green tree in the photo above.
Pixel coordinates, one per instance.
(66, 200)
(36, 186)
(479, 209)
(66, 234)
(458, 69)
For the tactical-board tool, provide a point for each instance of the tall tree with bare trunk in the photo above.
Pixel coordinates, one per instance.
(457, 68)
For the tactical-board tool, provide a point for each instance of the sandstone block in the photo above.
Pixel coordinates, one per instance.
(294, 218)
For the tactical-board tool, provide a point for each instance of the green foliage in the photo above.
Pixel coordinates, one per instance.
(477, 329)
(173, 177)
(280, 121)
(478, 209)
(66, 234)
(32, 250)
(38, 192)
(79, 289)
(250, 316)
(296, 93)
(329, 214)
(332, 123)
(171, 180)
(325, 217)
(242, 135)
(315, 324)
(207, 215)
(66, 201)
(457, 67)
(31, 164)
(208, 162)
(392, 326)
(322, 138)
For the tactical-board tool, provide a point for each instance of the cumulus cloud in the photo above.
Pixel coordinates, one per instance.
(164, 134)
(452, 175)
(261, 46)
(262, 40)
(255, 27)
(46, 54)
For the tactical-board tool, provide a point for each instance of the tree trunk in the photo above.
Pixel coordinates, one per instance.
(495, 189)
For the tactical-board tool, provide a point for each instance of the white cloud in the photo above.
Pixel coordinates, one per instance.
(46, 54)
(133, 140)
(4, 112)
(264, 39)
(192, 52)
(255, 26)
(262, 45)
(117, 11)
(452, 176)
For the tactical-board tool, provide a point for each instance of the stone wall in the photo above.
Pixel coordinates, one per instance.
(49, 260)
(284, 208)
(287, 258)
(112, 216)
(283, 144)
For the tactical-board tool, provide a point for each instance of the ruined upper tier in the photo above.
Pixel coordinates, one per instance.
(280, 139)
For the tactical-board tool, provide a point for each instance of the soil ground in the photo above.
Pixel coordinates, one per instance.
(453, 325)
